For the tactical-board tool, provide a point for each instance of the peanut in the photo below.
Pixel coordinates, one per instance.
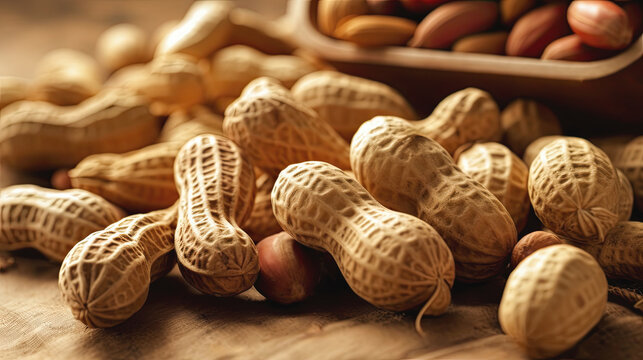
(252, 29)
(408, 172)
(530, 243)
(502, 172)
(217, 188)
(375, 30)
(174, 82)
(574, 189)
(66, 77)
(106, 277)
(392, 260)
(204, 29)
(345, 101)
(630, 161)
(12, 89)
(262, 222)
(626, 197)
(288, 271)
(51, 221)
(275, 131)
(621, 254)
(535, 30)
(451, 21)
(160, 33)
(183, 125)
(60, 179)
(485, 43)
(130, 77)
(121, 45)
(236, 66)
(511, 10)
(138, 181)
(534, 147)
(524, 121)
(330, 12)
(39, 135)
(601, 24)
(552, 299)
(572, 48)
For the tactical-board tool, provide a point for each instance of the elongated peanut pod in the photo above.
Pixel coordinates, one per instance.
(392, 260)
(625, 197)
(275, 131)
(408, 172)
(51, 221)
(216, 186)
(37, 135)
(106, 277)
(138, 181)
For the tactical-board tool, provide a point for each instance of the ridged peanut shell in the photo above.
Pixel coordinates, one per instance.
(465, 116)
(275, 131)
(138, 181)
(408, 172)
(106, 277)
(532, 150)
(51, 221)
(345, 101)
(234, 67)
(12, 89)
(216, 186)
(524, 121)
(66, 77)
(574, 189)
(390, 259)
(621, 254)
(38, 135)
(502, 172)
(630, 161)
(625, 198)
(552, 299)
(375, 30)
(204, 29)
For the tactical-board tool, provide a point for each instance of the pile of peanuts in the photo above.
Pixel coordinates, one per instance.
(306, 161)
(584, 30)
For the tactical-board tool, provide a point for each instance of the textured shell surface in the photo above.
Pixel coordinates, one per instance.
(216, 186)
(621, 254)
(138, 181)
(105, 278)
(630, 161)
(275, 131)
(236, 66)
(552, 299)
(38, 135)
(204, 29)
(503, 173)
(262, 222)
(535, 146)
(390, 259)
(524, 121)
(408, 172)
(345, 101)
(625, 197)
(574, 189)
(51, 221)
(465, 116)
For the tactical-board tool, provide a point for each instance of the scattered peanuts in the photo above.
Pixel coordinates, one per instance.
(530, 243)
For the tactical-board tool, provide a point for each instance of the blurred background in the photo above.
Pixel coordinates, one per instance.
(31, 28)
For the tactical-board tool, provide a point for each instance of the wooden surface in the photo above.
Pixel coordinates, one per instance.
(176, 321)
